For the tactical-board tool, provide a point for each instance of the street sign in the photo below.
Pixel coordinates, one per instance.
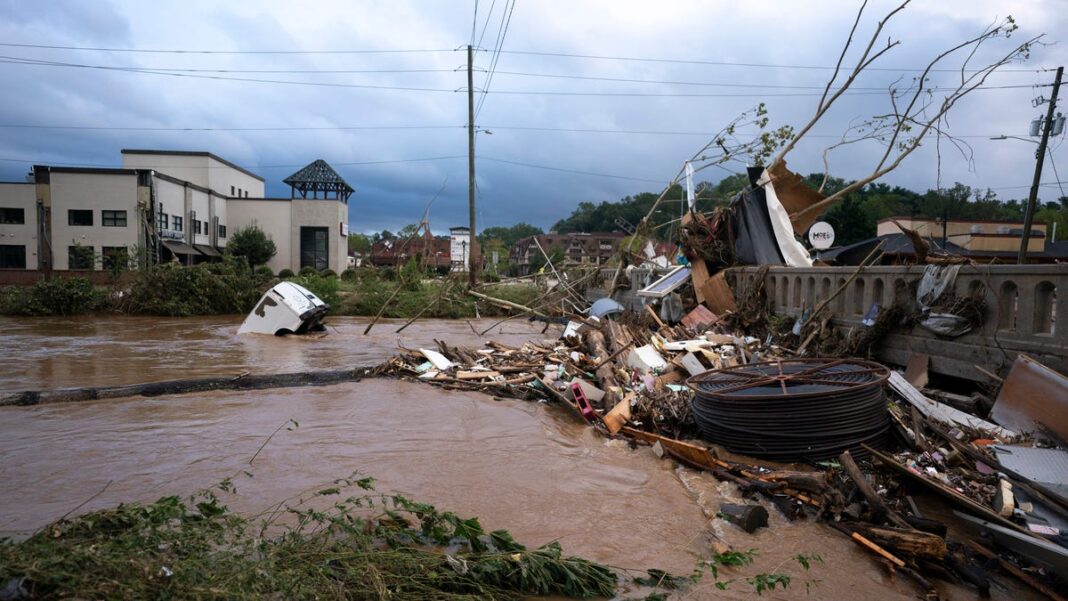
(821, 235)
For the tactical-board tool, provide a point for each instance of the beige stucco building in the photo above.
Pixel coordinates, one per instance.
(18, 226)
(973, 235)
(163, 206)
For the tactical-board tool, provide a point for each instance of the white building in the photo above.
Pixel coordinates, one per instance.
(167, 205)
(459, 248)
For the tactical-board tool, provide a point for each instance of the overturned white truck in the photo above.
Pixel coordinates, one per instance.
(287, 308)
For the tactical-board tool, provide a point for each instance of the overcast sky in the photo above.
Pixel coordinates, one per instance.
(428, 122)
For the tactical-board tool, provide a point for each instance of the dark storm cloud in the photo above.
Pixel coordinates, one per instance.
(390, 195)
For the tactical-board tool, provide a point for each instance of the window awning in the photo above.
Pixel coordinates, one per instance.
(178, 247)
(207, 250)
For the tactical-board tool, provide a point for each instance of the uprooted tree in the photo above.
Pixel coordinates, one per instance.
(917, 111)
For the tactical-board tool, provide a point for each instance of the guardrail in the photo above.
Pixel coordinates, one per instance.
(1024, 312)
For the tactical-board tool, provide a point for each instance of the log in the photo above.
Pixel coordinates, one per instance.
(595, 343)
(506, 304)
(909, 543)
(971, 573)
(746, 517)
(811, 482)
(879, 509)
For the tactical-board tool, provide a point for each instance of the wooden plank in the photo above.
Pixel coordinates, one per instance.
(476, 375)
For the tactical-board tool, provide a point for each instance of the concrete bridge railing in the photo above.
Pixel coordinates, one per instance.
(1026, 310)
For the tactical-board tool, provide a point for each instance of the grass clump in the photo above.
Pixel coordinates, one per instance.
(366, 545)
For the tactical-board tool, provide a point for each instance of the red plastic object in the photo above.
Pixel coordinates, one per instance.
(583, 403)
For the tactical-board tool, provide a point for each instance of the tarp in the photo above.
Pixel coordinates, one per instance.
(178, 247)
(755, 242)
(792, 251)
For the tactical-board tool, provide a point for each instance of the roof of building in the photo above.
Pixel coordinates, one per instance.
(893, 244)
(192, 153)
(935, 219)
(318, 175)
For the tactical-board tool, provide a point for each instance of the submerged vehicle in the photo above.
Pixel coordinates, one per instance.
(287, 308)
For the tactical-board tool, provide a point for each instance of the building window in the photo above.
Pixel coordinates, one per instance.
(163, 220)
(79, 217)
(79, 257)
(113, 218)
(177, 223)
(222, 231)
(239, 192)
(114, 258)
(12, 256)
(314, 247)
(231, 190)
(197, 226)
(246, 193)
(12, 216)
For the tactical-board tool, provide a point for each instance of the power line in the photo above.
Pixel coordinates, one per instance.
(724, 85)
(39, 63)
(506, 20)
(485, 92)
(184, 51)
(737, 64)
(489, 15)
(399, 127)
(268, 128)
(548, 168)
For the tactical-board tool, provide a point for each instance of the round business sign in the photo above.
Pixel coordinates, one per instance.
(821, 235)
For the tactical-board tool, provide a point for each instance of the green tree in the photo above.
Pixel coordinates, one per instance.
(359, 243)
(508, 236)
(253, 244)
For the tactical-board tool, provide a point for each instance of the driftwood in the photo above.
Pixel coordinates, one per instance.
(909, 543)
(596, 345)
(506, 304)
(151, 389)
(879, 509)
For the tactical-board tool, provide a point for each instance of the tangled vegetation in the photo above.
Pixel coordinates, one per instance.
(365, 546)
(232, 287)
(229, 286)
(54, 296)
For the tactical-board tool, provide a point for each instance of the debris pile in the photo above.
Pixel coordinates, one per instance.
(704, 394)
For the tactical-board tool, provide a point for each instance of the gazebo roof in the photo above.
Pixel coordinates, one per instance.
(318, 176)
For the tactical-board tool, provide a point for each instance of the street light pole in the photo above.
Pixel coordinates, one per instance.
(1029, 214)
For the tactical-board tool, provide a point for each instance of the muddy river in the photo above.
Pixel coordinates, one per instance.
(518, 465)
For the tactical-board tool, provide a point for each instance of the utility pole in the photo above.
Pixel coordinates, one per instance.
(1029, 214)
(472, 279)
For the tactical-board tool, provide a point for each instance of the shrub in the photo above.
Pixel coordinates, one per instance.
(350, 275)
(328, 273)
(323, 287)
(206, 289)
(53, 296)
(264, 272)
(306, 271)
(253, 244)
(285, 273)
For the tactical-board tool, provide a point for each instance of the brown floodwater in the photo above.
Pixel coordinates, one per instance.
(523, 466)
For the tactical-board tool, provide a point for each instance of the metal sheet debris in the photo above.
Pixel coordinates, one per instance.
(1032, 398)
